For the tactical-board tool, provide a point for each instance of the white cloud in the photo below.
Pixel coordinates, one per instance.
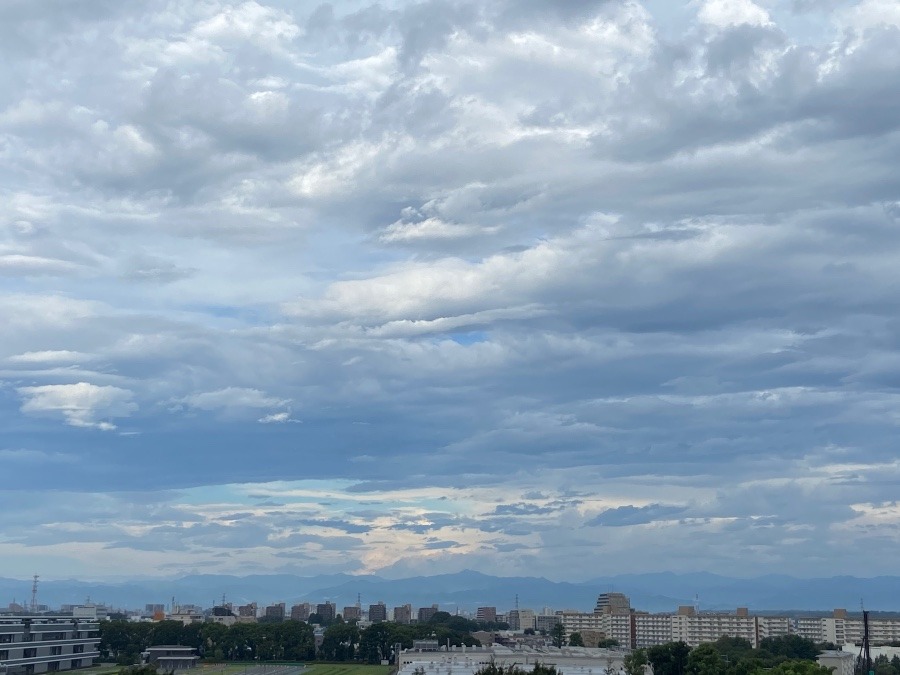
(50, 356)
(277, 418)
(724, 13)
(232, 398)
(431, 228)
(80, 405)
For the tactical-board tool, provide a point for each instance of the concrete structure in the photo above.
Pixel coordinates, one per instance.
(187, 617)
(326, 611)
(276, 611)
(377, 612)
(169, 658)
(37, 644)
(843, 629)
(222, 615)
(544, 623)
(651, 629)
(465, 661)
(612, 603)
(425, 613)
(840, 663)
(300, 612)
(352, 613)
(90, 611)
(403, 614)
(487, 614)
(521, 619)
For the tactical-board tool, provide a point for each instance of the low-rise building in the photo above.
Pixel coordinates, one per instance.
(840, 663)
(169, 658)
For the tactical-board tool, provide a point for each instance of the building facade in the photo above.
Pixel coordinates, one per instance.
(403, 614)
(377, 612)
(275, 611)
(843, 629)
(326, 611)
(300, 612)
(425, 613)
(487, 614)
(31, 645)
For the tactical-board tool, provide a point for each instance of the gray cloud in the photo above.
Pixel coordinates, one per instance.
(575, 254)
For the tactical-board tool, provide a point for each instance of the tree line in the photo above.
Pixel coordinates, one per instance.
(783, 655)
(123, 641)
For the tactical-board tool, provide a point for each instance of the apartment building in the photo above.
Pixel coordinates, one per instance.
(425, 613)
(275, 611)
(521, 619)
(37, 644)
(695, 629)
(545, 623)
(377, 612)
(613, 626)
(403, 614)
(843, 629)
(488, 614)
(652, 629)
(300, 612)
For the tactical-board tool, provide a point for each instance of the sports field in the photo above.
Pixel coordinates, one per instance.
(345, 669)
(293, 669)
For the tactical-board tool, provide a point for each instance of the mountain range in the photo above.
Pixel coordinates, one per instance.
(468, 590)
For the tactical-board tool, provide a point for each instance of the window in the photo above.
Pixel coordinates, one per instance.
(4, 654)
(29, 653)
(29, 669)
(53, 666)
(5, 638)
(76, 663)
(78, 649)
(55, 651)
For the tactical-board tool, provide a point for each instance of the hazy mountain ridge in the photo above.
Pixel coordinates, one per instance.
(467, 590)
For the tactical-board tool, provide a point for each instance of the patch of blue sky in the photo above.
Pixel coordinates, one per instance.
(469, 337)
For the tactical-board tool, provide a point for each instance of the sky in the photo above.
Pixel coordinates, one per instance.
(529, 287)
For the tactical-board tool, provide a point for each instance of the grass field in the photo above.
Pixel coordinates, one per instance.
(311, 669)
(345, 669)
(260, 669)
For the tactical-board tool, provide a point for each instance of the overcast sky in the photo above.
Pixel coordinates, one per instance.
(533, 287)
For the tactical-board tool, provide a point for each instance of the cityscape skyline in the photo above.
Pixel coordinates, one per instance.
(468, 591)
(402, 287)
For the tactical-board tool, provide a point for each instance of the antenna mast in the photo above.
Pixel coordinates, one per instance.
(34, 585)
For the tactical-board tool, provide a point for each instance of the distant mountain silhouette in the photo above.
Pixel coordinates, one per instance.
(468, 589)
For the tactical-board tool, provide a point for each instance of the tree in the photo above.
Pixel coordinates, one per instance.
(558, 634)
(635, 662)
(790, 647)
(339, 642)
(798, 667)
(669, 659)
(138, 670)
(704, 660)
(575, 640)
